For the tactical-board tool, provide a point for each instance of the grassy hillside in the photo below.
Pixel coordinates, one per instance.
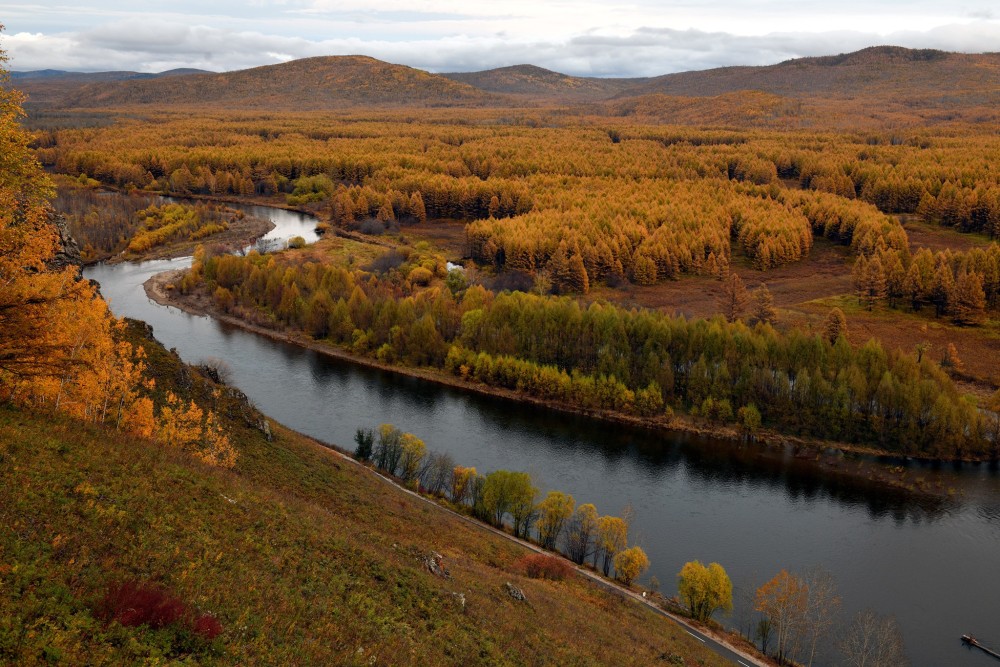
(303, 557)
(309, 83)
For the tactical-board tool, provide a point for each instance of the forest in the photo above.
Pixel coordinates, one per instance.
(560, 224)
(637, 204)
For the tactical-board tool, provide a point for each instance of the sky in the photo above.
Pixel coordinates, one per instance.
(638, 38)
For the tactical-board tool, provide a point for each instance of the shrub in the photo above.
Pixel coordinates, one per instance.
(207, 626)
(386, 262)
(541, 566)
(133, 603)
(420, 276)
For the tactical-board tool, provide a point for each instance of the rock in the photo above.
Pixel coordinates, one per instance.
(435, 565)
(514, 592)
(68, 252)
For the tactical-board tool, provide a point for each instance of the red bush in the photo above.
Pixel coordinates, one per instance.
(207, 626)
(134, 603)
(541, 566)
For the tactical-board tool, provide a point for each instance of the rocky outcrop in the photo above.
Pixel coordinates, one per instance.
(68, 251)
(514, 592)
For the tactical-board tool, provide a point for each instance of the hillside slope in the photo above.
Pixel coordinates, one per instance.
(870, 70)
(302, 556)
(537, 82)
(329, 82)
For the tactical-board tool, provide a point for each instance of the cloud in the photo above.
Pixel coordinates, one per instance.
(450, 36)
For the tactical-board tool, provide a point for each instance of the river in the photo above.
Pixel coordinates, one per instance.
(932, 564)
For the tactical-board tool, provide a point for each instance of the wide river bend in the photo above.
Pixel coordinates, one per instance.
(934, 565)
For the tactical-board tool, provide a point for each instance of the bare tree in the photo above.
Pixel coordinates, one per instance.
(822, 605)
(873, 641)
(435, 473)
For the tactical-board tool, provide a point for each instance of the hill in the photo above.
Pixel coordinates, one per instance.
(93, 77)
(302, 556)
(883, 85)
(537, 82)
(49, 87)
(868, 70)
(329, 82)
(880, 84)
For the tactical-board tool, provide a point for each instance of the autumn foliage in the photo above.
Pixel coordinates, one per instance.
(134, 603)
(543, 566)
(61, 349)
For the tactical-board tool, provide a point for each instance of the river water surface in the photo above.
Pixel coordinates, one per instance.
(932, 564)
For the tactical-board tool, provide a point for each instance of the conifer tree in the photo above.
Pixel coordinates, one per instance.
(763, 305)
(734, 299)
(969, 307)
(835, 326)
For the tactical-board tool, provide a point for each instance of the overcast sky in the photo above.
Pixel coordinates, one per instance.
(638, 38)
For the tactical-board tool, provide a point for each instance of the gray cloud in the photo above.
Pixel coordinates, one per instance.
(143, 45)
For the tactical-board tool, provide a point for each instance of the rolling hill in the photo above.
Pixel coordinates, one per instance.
(328, 82)
(883, 85)
(875, 70)
(537, 82)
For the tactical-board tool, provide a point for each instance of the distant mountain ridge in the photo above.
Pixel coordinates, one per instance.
(49, 74)
(886, 83)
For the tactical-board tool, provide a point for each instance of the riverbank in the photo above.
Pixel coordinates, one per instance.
(839, 459)
(241, 233)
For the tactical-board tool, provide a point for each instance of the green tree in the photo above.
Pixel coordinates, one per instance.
(748, 417)
(612, 537)
(705, 590)
(365, 440)
(505, 492)
(389, 449)
(413, 453)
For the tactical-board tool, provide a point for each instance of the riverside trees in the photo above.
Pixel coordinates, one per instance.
(605, 357)
(704, 590)
(505, 497)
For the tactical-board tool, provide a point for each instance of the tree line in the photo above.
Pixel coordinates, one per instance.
(606, 357)
(505, 498)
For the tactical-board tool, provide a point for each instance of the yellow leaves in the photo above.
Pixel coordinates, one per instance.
(188, 427)
(629, 564)
(704, 589)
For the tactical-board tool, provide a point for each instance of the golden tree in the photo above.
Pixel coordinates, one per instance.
(630, 564)
(705, 590)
